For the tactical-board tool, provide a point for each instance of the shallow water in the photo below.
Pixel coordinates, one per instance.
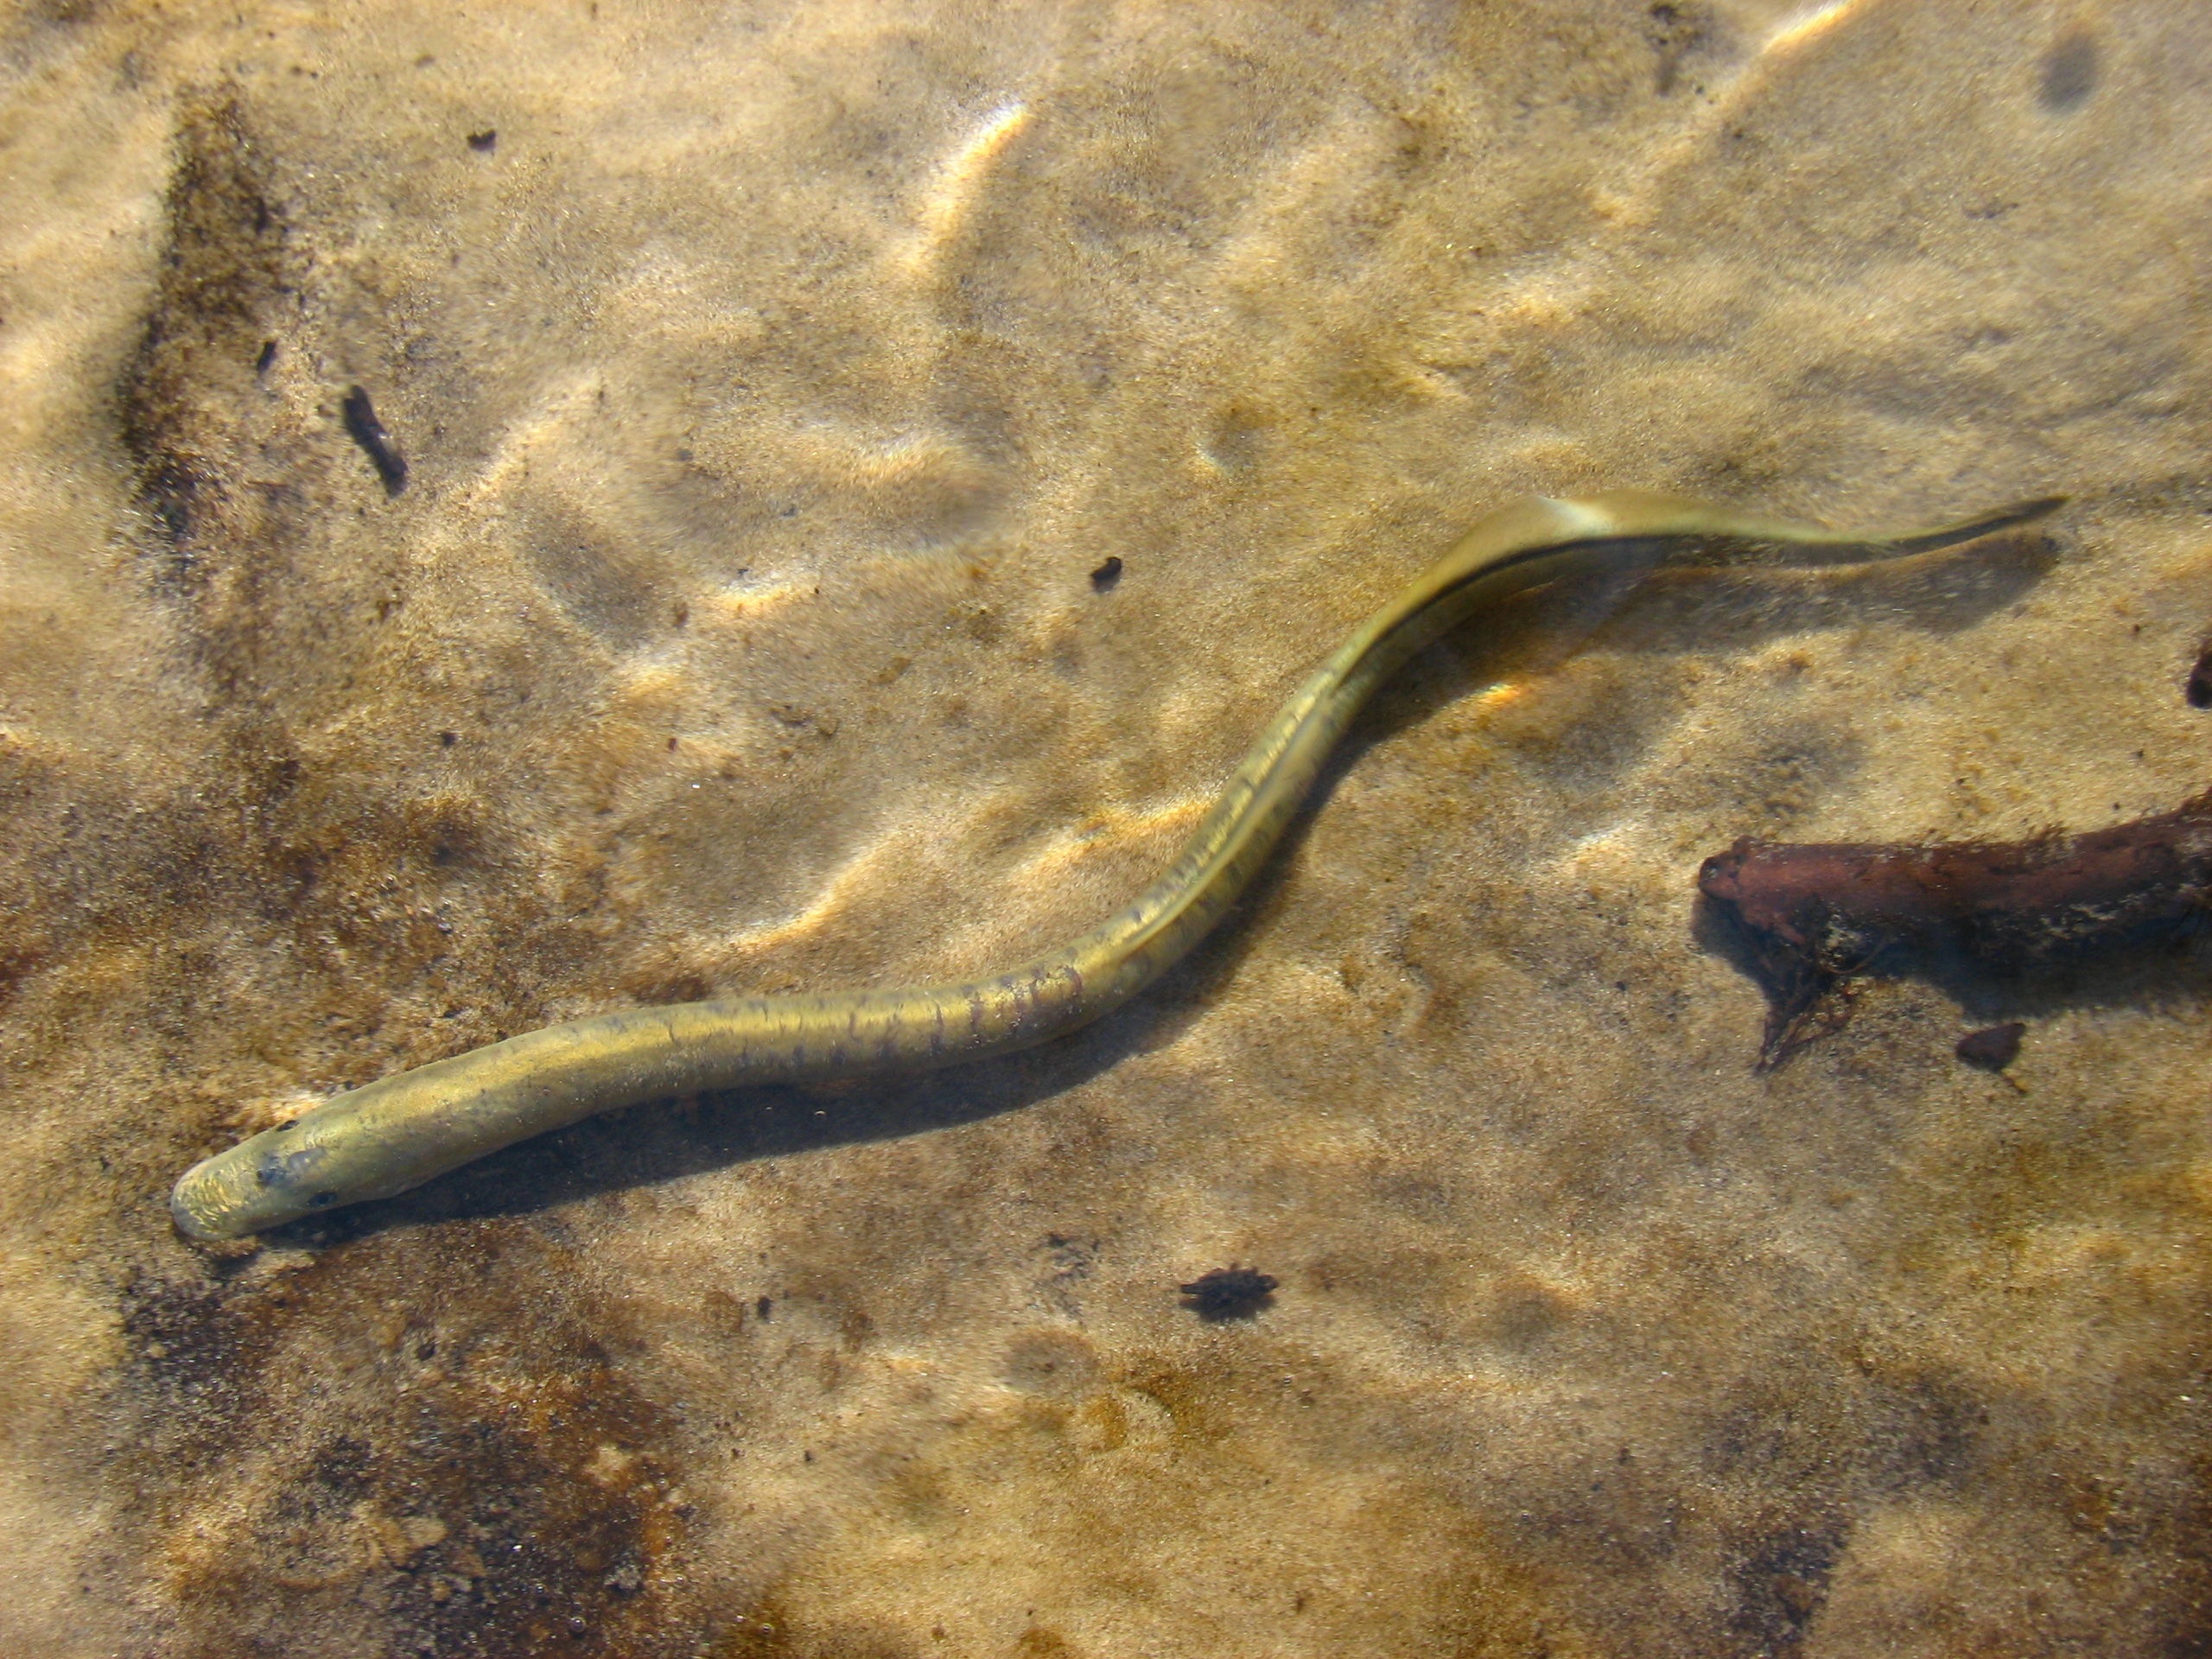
(771, 382)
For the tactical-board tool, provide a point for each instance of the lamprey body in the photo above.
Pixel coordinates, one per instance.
(401, 1131)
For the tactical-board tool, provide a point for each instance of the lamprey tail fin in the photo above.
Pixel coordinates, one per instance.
(1635, 513)
(2024, 512)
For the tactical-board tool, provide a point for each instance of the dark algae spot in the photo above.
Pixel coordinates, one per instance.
(1993, 1047)
(14, 965)
(1780, 1586)
(1810, 919)
(223, 280)
(476, 1474)
(2069, 73)
(366, 431)
(1107, 574)
(185, 1340)
(1230, 1292)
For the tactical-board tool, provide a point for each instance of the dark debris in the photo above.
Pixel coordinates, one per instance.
(363, 427)
(2197, 689)
(1993, 1047)
(1230, 1292)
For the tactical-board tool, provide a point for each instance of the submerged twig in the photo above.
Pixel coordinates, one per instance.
(1814, 917)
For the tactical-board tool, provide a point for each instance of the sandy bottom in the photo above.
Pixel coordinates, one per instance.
(770, 381)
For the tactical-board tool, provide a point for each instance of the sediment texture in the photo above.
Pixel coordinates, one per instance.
(771, 383)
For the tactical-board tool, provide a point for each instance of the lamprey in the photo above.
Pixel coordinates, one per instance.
(401, 1131)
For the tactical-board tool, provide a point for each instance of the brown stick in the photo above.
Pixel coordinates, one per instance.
(1816, 917)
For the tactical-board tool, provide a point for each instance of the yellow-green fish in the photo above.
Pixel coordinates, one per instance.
(401, 1131)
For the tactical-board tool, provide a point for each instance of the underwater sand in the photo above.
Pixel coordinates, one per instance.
(771, 379)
